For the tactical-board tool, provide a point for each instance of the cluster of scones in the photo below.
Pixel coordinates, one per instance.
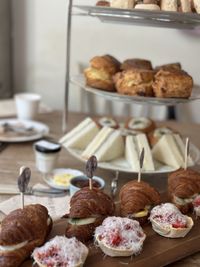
(93, 215)
(109, 140)
(137, 77)
(164, 5)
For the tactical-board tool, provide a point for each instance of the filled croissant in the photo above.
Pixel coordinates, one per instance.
(88, 208)
(137, 199)
(183, 188)
(21, 231)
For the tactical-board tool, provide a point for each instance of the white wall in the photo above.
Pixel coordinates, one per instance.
(40, 50)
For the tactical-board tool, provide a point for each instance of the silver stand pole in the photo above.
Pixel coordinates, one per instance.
(67, 72)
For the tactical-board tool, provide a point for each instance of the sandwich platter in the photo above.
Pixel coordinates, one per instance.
(121, 165)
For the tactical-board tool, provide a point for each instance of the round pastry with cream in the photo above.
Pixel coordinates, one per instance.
(120, 237)
(140, 124)
(168, 221)
(61, 251)
(108, 122)
(155, 135)
(196, 205)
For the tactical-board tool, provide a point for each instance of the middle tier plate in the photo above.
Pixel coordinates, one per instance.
(122, 165)
(79, 80)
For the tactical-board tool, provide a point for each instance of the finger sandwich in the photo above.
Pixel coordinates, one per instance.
(133, 148)
(170, 150)
(107, 145)
(81, 135)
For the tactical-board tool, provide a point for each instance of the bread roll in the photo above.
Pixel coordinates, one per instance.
(122, 3)
(197, 5)
(147, 7)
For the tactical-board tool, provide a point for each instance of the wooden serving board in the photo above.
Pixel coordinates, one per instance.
(157, 251)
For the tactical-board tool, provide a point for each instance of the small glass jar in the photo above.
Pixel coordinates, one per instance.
(46, 155)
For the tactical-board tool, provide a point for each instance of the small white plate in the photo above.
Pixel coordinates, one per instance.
(39, 130)
(49, 178)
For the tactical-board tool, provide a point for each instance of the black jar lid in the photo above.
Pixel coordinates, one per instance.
(45, 146)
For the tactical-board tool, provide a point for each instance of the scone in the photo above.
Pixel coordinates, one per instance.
(120, 237)
(136, 63)
(99, 74)
(175, 84)
(140, 124)
(122, 3)
(171, 66)
(168, 221)
(147, 7)
(134, 82)
(169, 5)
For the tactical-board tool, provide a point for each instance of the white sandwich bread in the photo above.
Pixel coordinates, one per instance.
(120, 237)
(61, 251)
(122, 3)
(185, 6)
(80, 136)
(168, 221)
(170, 151)
(107, 145)
(147, 6)
(197, 5)
(169, 5)
(133, 148)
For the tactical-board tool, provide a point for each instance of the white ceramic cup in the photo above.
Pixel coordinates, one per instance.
(27, 105)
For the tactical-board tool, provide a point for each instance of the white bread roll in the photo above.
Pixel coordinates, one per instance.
(169, 5)
(126, 4)
(166, 218)
(185, 6)
(147, 6)
(197, 5)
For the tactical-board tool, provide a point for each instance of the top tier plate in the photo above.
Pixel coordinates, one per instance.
(166, 19)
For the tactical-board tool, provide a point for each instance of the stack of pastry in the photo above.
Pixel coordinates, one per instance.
(183, 188)
(137, 199)
(21, 232)
(88, 208)
(136, 77)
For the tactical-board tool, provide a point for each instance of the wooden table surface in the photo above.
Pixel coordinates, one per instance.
(16, 155)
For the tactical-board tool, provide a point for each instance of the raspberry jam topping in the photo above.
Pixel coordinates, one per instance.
(196, 202)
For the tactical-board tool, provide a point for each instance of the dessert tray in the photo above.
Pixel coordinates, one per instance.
(142, 17)
(157, 251)
(121, 165)
(16, 130)
(79, 80)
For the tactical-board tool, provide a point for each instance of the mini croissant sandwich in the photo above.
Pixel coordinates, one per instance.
(183, 187)
(137, 199)
(61, 251)
(196, 205)
(168, 221)
(120, 237)
(88, 208)
(21, 232)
